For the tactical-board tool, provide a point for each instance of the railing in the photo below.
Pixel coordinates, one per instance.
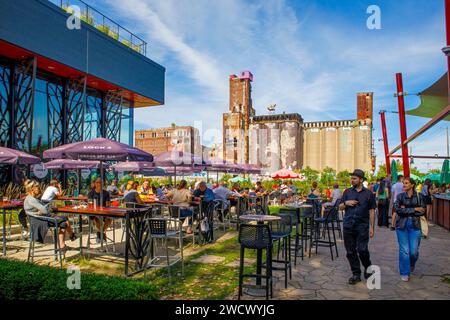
(101, 22)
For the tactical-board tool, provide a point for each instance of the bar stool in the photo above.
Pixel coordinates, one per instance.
(281, 233)
(324, 223)
(256, 237)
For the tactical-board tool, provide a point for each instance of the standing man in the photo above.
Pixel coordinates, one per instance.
(359, 224)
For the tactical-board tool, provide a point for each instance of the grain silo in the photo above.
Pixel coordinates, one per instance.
(345, 147)
(329, 150)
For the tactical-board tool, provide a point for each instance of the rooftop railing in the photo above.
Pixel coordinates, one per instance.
(101, 22)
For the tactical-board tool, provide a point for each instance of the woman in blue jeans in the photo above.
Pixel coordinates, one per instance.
(410, 206)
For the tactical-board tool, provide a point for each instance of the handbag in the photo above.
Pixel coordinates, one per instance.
(423, 220)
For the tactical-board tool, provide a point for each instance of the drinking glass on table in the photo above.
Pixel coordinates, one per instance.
(5, 199)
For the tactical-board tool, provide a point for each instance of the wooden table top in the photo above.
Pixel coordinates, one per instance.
(10, 205)
(79, 198)
(259, 218)
(99, 211)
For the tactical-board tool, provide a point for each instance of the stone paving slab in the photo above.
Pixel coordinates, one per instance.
(209, 259)
(319, 277)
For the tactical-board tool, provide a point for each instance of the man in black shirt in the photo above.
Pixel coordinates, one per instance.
(359, 222)
(95, 194)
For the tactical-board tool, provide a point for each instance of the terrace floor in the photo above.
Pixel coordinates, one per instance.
(211, 270)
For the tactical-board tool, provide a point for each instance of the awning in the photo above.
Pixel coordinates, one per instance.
(432, 100)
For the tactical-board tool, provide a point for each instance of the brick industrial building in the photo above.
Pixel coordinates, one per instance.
(160, 140)
(277, 141)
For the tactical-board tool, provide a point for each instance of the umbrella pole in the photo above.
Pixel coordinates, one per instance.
(217, 176)
(175, 177)
(79, 180)
(207, 176)
(101, 177)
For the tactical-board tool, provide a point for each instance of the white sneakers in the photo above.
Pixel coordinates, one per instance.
(404, 278)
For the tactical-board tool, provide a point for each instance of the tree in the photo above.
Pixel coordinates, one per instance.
(310, 174)
(328, 175)
(343, 178)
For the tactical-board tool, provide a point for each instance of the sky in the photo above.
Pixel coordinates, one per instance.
(309, 57)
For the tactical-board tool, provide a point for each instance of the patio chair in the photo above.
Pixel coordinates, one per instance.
(257, 237)
(222, 213)
(33, 219)
(295, 223)
(176, 221)
(321, 229)
(160, 230)
(281, 234)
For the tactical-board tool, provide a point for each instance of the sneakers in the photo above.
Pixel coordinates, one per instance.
(404, 278)
(99, 238)
(367, 275)
(354, 280)
(73, 237)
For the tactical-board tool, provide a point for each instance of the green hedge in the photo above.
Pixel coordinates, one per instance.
(27, 281)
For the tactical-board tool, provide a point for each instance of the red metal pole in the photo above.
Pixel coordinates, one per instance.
(401, 115)
(447, 30)
(385, 142)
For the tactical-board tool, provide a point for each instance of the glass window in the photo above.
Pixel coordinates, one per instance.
(92, 116)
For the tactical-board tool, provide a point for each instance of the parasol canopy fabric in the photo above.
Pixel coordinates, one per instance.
(432, 100)
(285, 174)
(71, 164)
(445, 173)
(135, 166)
(178, 159)
(12, 156)
(249, 168)
(394, 173)
(433, 177)
(100, 149)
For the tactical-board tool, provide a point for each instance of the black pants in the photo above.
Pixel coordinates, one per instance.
(383, 219)
(356, 241)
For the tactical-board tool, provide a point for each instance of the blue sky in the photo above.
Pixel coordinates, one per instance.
(309, 57)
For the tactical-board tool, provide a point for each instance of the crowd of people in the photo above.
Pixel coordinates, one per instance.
(408, 205)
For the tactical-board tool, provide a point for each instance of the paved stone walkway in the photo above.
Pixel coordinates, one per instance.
(321, 278)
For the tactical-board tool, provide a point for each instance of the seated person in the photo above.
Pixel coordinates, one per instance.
(32, 205)
(259, 188)
(131, 195)
(181, 197)
(145, 189)
(204, 193)
(95, 194)
(336, 195)
(224, 194)
(52, 192)
(314, 192)
(158, 192)
(113, 189)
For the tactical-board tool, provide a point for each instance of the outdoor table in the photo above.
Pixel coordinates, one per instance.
(5, 206)
(67, 198)
(136, 230)
(260, 219)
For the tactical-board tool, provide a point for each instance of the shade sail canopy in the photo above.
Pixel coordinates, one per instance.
(435, 177)
(238, 179)
(12, 156)
(432, 100)
(285, 174)
(71, 164)
(100, 149)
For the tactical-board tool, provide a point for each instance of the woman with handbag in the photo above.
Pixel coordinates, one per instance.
(410, 206)
(382, 195)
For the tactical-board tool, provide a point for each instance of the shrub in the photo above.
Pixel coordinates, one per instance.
(26, 281)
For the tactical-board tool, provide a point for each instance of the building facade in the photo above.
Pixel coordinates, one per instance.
(61, 85)
(160, 140)
(236, 122)
(278, 141)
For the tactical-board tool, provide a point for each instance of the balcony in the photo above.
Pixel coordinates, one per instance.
(101, 22)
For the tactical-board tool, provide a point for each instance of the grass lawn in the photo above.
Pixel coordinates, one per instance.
(201, 280)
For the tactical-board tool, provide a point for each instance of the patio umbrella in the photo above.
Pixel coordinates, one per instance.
(249, 168)
(220, 165)
(14, 157)
(238, 179)
(285, 174)
(178, 159)
(435, 177)
(71, 164)
(412, 176)
(445, 173)
(100, 149)
(147, 168)
(394, 173)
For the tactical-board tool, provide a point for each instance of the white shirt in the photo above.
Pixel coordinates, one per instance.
(397, 188)
(50, 193)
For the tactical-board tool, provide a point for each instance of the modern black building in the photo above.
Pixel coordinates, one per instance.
(61, 84)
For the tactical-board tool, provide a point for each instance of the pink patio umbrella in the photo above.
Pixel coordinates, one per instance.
(100, 149)
(285, 174)
(147, 168)
(14, 157)
(179, 159)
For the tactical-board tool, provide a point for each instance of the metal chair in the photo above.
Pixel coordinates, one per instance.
(55, 228)
(222, 214)
(176, 221)
(257, 237)
(295, 223)
(324, 224)
(281, 233)
(159, 229)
